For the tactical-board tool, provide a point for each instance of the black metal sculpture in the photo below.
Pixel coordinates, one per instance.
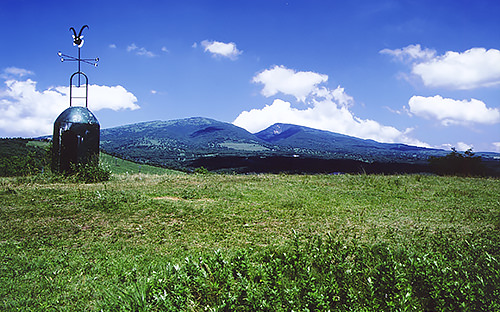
(75, 140)
(77, 39)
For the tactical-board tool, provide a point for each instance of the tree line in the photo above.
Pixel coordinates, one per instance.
(19, 158)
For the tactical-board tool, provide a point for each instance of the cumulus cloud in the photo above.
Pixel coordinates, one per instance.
(450, 111)
(324, 115)
(471, 69)
(474, 68)
(221, 49)
(140, 50)
(288, 81)
(11, 72)
(26, 111)
(410, 53)
(461, 146)
(496, 146)
(326, 109)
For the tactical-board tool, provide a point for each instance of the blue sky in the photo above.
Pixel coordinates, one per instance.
(418, 72)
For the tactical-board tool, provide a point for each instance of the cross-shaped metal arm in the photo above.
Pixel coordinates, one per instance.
(68, 58)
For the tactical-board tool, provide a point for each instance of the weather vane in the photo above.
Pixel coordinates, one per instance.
(75, 140)
(78, 41)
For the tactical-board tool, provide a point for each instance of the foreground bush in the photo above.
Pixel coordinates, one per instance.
(326, 274)
(92, 172)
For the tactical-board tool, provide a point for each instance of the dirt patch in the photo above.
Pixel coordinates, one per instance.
(179, 198)
(168, 198)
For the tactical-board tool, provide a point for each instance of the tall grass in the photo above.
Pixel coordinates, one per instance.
(257, 242)
(325, 274)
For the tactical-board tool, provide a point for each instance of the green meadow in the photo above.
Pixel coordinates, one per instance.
(121, 166)
(205, 242)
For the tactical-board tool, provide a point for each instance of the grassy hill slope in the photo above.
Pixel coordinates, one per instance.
(122, 166)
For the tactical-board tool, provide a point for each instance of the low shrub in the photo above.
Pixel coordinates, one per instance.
(90, 173)
(322, 274)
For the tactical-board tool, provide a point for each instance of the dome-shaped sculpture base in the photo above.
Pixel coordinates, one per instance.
(75, 140)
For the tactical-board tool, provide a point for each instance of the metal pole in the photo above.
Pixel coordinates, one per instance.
(79, 67)
(70, 90)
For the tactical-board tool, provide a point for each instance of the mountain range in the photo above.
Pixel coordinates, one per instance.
(197, 142)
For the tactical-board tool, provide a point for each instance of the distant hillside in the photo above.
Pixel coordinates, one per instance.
(195, 142)
(177, 142)
(326, 144)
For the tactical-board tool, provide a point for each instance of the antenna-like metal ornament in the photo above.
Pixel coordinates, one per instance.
(78, 41)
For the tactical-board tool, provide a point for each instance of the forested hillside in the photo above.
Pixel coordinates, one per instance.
(191, 143)
(23, 157)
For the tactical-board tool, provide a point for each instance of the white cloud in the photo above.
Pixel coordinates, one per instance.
(164, 49)
(324, 115)
(327, 109)
(15, 72)
(471, 69)
(288, 81)
(474, 68)
(132, 47)
(461, 146)
(450, 111)
(410, 53)
(25, 111)
(140, 50)
(217, 48)
(112, 46)
(496, 146)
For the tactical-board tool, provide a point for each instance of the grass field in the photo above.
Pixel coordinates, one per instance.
(203, 242)
(121, 166)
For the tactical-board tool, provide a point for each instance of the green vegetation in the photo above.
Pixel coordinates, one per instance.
(92, 172)
(456, 163)
(23, 157)
(121, 166)
(183, 143)
(207, 242)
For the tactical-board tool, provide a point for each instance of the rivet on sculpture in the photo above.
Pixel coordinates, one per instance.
(75, 140)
